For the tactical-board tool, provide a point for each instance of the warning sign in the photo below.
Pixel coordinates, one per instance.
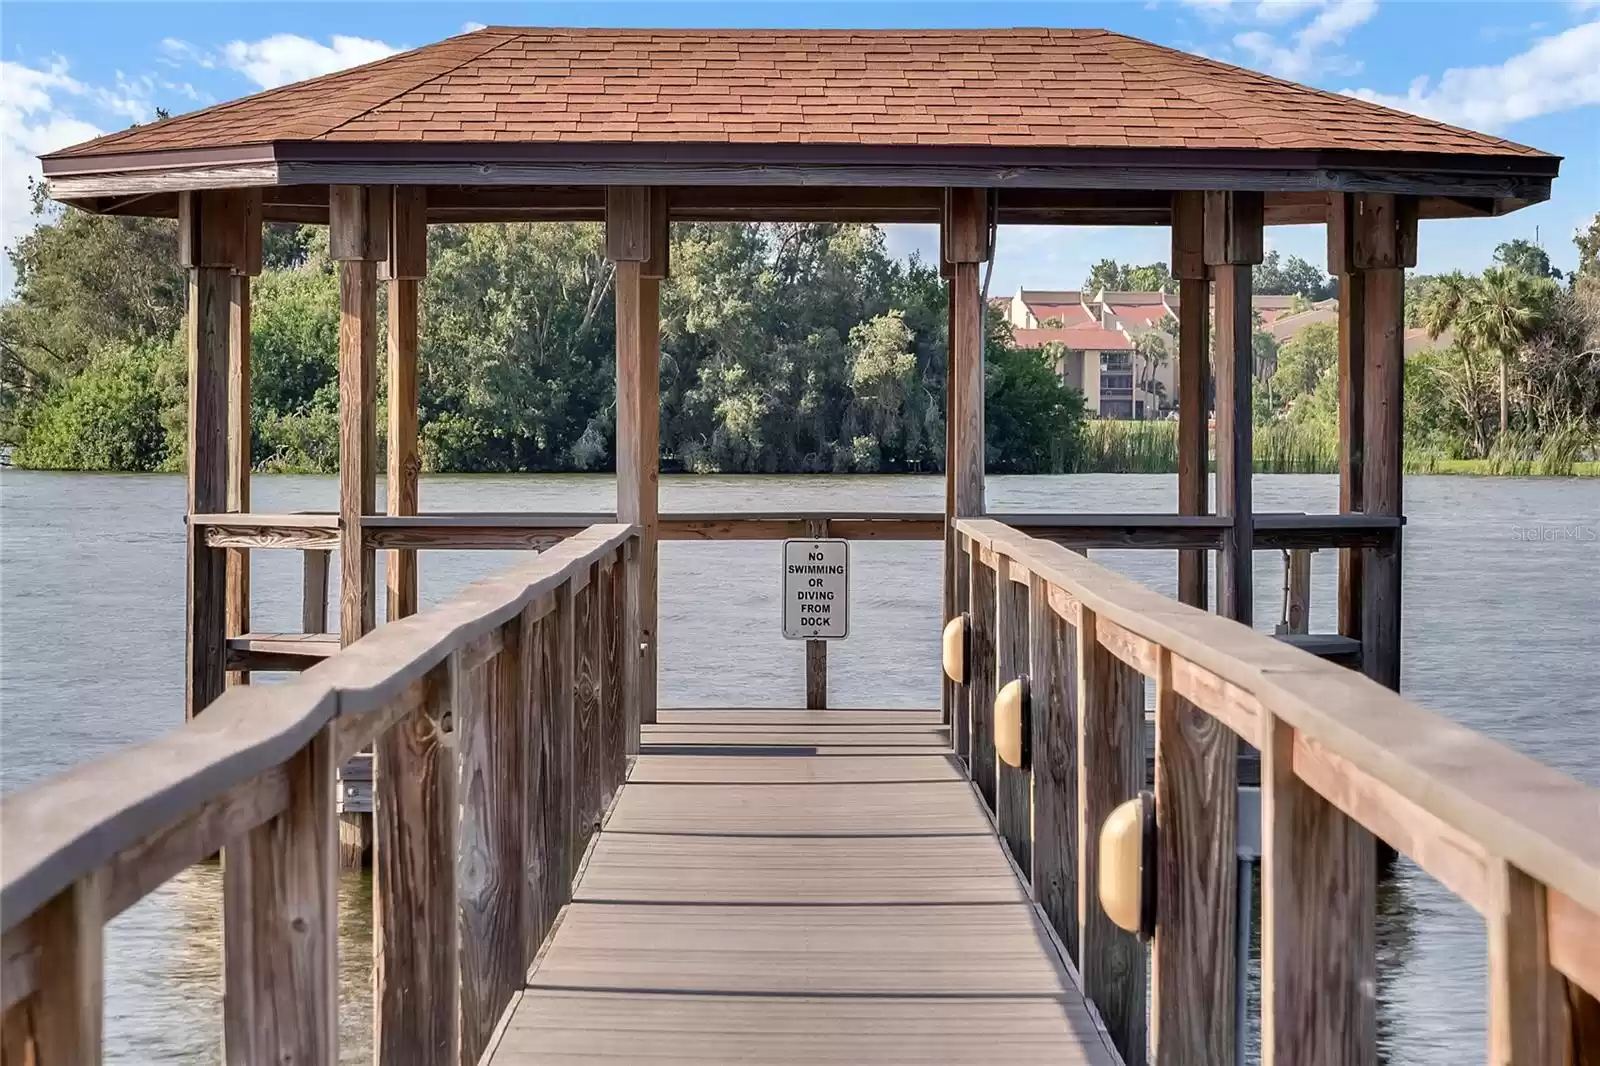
(816, 589)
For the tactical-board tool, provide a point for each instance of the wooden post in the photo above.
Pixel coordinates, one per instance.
(314, 591)
(1352, 364)
(211, 244)
(406, 265)
(556, 771)
(1194, 366)
(1527, 996)
(613, 679)
(1318, 875)
(238, 559)
(637, 242)
(68, 1020)
(358, 226)
(981, 668)
(1233, 241)
(1196, 790)
(1014, 787)
(1110, 770)
(1372, 238)
(953, 702)
(961, 710)
(817, 650)
(966, 238)
(1053, 672)
(1296, 591)
(281, 924)
(415, 934)
(586, 706)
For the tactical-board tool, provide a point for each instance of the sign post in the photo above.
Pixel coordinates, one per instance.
(816, 602)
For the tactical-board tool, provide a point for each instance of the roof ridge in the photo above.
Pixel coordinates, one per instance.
(501, 41)
(1259, 77)
(254, 99)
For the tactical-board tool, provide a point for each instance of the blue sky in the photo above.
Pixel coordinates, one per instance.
(1528, 71)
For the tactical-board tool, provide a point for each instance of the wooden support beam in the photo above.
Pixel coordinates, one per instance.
(1318, 878)
(406, 265)
(1232, 243)
(238, 559)
(1196, 786)
(69, 1001)
(586, 705)
(557, 654)
(1527, 996)
(1194, 380)
(415, 935)
(1383, 381)
(631, 232)
(966, 242)
(961, 706)
(613, 676)
(1053, 675)
(1110, 770)
(1014, 787)
(981, 669)
(358, 238)
(1352, 366)
(952, 703)
(281, 924)
(212, 245)
(817, 650)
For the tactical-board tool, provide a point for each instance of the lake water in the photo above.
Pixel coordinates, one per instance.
(1502, 599)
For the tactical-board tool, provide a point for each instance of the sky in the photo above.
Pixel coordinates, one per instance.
(1528, 71)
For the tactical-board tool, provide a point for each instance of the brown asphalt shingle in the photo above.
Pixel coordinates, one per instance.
(1033, 88)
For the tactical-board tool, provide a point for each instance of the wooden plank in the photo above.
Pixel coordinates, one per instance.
(1196, 786)
(358, 442)
(968, 388)
(280, 897)
(415, 937)
(1235, 371)
(314, 592)
(556, 769)
(1110, 770)
(1194, 359)
(817, 650)
(1318, 980)
(613, 679)
(404, 462)
(280, 651)
(210, 300)
(638, 456)
(1296, 593)
(67, 1013)
(490, 788)
(586, 710)
(1013, 786)
(1383, 383)
(1527, 996)
(1352, 437)
(981, 672)
(1574, 941)
(961, 709)
(1053, 673)
(540, 644)
(238, 560)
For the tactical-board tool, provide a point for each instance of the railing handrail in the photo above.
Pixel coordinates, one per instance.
(1513, 806)
(67, 827)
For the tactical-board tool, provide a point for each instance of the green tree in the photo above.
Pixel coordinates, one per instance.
(112, 416)
(1494, 316)
(1033, 422)
(1277, 276)
(1524, 255)
(1110, 275)
(1305, 362)
(1588, 242)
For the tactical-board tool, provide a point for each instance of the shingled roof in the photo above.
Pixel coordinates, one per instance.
(1016, 97)
(1034, 87)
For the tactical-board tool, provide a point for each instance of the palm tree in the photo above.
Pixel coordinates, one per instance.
(1494, 314)
(1151, 349)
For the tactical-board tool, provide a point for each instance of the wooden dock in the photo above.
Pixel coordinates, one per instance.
(799, 886)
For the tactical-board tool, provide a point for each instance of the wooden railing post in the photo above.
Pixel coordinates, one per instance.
(1196, 791)
(281, 924)
(68, 1009)
(961, 709)
(238, 559)
(1194, 372)
(405, 267)
(556, 687)
(1318, 876)
(612, 608)
(1014, 787)
(415, 932)
(1053, 673)
(491, 757)
(586, 708)
(314, 591)
(1110, 770)
(1527, 997)
(981, 583)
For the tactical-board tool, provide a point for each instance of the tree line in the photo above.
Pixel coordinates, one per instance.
(785, 349)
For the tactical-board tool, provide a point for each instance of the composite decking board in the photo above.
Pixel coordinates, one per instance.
(786, 901)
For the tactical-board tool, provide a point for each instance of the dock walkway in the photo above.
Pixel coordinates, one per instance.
(799, 887)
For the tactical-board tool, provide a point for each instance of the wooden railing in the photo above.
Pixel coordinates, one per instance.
(501, 723)
(1343, 759)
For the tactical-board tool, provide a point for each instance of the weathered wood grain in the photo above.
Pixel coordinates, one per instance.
(210, 299)
(1352, 435)
(404, 462)
(280, 997)
(280, 651)
(238, 559)
(1194, 374)
(611, 608)
(1527, 997)
(1318, 994)
(358, 442)
(556, 770)
(66, 1016)
(587, 738)
(415, 936)
(1053, 670)
(1382, 428)
(981, 671)
(1110, 770)
(1196, 788)
(1296, 593)
(314, 592)
(1235, 375)
(1013, 787)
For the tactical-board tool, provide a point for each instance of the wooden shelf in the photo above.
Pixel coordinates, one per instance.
(1346, 651)
(280, 651)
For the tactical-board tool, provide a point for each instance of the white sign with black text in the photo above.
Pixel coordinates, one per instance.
(816, 589)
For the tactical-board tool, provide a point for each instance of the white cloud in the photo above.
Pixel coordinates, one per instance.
(1558, 73)
(1312, 49)
(34, 118)
(286, 57)
(473, 27)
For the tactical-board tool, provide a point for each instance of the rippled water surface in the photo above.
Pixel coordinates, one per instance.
(1502, 597)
